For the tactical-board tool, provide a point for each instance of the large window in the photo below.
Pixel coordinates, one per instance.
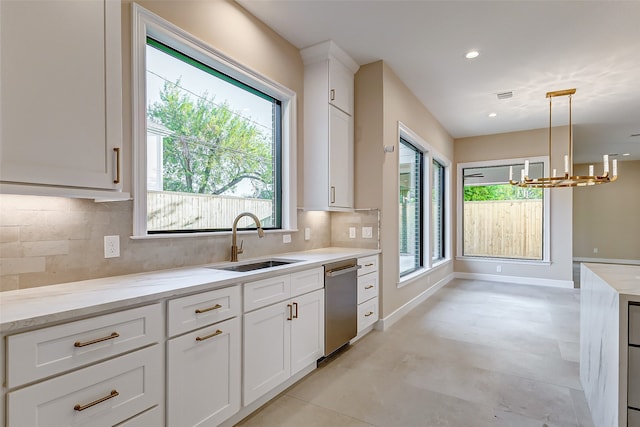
(423, 211)
(411, 200)
(215, 140)
(500, 220)
(438, 211)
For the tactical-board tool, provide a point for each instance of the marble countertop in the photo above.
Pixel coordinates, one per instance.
(28, 308)
(625, 279)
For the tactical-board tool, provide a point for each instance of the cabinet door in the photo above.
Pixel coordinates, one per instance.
(340, 159)
(340, 86)
(307, 330)
(203, 375)
(61, 99)
(267, 349)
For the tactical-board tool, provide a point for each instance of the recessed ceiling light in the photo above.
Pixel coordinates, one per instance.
(626, 154)
(472, 54)
(492, 114)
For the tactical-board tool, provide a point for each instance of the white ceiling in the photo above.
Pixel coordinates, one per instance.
(528, 47)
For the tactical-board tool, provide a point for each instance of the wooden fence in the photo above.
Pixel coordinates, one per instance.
(505, 228)
(183, 211)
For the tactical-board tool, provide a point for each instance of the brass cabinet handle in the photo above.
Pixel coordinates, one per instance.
(111, 395)
(117, 151)
(369, 287)
(369, 265)
(332, 94)
(206, 337)
(204, 310)
(333, 194)
(368, 314)
(290, 307)
(97, 340)
(296, 305)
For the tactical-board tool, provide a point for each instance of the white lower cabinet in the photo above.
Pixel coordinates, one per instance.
(203, 375)
(100, 395)
(368, 290)
(280, 340)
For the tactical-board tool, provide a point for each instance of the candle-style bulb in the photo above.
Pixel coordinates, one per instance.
(526, 168)
(566, 164)
(615, 167)
(605, 161)
(522, 175)
(590, 170)
(510, 173)
(555, 172)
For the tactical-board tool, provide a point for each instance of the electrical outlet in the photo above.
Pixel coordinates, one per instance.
(367, 232)
(595, 250)
(286, 238)
(352, 232)
(111, 246)
(499, 268)
(307, 233)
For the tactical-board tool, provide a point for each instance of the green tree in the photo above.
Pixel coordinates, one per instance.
(211, 148)
(476, 193)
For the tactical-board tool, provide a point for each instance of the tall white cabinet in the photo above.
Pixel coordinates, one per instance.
(61, 96)
(328, 127)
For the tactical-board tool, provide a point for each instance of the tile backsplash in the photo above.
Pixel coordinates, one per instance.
(49, 240)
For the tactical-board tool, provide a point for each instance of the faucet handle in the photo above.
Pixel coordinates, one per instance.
(240, 248)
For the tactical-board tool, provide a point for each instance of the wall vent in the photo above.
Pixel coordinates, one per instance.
(634, 135)
(505, 95)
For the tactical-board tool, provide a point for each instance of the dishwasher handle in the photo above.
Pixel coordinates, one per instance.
(341, 271)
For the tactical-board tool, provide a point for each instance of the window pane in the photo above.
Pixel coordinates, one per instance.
(501, 220)
(213, 147)
(410, 208)
(438, 211)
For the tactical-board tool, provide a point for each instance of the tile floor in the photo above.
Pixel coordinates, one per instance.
(475, 354)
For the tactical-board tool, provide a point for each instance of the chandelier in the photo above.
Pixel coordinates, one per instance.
(568, 179)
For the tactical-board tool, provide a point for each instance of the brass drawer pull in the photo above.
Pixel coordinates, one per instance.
(368, 314)
(332, 94)
(111, 395)
(369, 265)
(369, 287)
(117, 151)
(296, 306)
(206, 337)
(97, 340)
(290, 307)
(204, 310)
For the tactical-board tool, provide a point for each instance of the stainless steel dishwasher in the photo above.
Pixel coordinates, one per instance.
(340, 304)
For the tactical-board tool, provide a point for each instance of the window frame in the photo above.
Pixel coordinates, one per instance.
(430, 155)
(420, 156)
(546, 214)
(146, 24)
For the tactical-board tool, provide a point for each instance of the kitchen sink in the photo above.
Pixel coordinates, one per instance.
(258, 265)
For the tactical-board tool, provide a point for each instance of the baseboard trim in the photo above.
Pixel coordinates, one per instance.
(516, 279)
(609, 261)
(384, 323)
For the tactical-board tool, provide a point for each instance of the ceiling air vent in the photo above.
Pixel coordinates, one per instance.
(634, 135)
(505, 95)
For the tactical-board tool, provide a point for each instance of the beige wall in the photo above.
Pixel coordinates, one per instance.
(382, 101)
(606, 216)
(522, 145)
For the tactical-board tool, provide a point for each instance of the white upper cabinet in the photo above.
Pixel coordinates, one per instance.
(61, 97)
(328, 127)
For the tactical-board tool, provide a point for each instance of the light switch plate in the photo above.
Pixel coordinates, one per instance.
(111, 246)
(352, 232)
(367, 232)
(307, 233)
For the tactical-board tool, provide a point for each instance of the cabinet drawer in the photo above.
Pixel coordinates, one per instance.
(44, 352)
(367, 287)
(634, 324)
(306, 281)
(367, 314)
(268, 291)
(368, 265)
(195, 311)
(633, 398)
(100, 395)
(152, 417)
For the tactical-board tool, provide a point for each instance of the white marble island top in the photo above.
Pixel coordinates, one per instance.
(27, 308)
(624, 279)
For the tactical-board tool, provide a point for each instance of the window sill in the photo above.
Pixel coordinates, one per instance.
(208, 234)
(505, 260)
(419, 274)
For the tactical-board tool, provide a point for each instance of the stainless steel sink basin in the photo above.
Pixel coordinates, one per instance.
(258, 265)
